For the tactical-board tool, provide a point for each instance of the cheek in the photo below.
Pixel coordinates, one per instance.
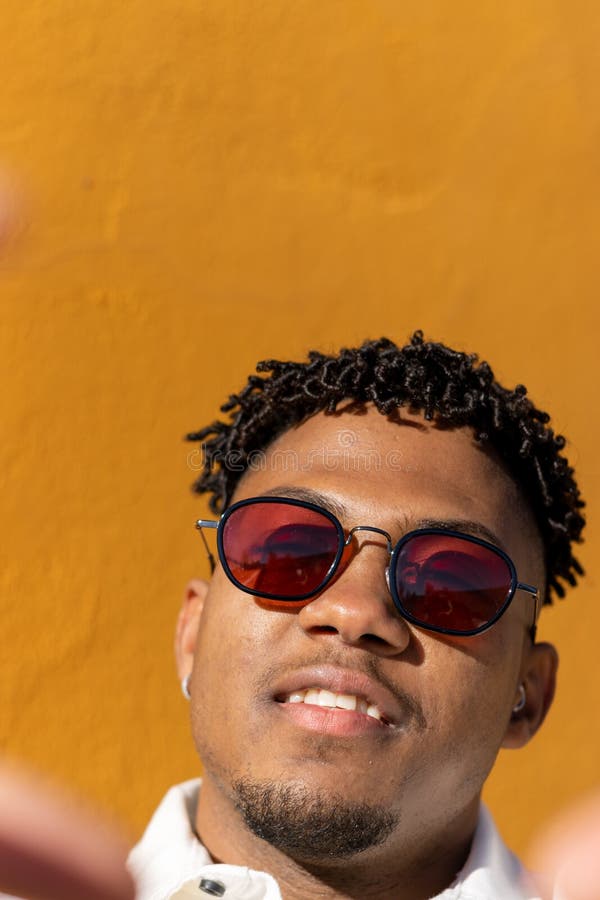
(470, 689)
(462, 740)
(231, 651)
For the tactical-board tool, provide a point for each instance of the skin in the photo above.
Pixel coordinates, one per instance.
(52, 848)
(455, 694)
(567, 853)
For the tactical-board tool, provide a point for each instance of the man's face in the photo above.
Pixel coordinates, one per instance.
(448, 699)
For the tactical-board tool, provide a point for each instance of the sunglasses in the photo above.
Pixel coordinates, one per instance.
(288, 551)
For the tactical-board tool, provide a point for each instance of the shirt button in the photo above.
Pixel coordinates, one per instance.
(242, 887)
(214, 888)
(194, 890)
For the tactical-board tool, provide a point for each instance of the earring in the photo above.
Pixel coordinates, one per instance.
(520, 704)
(185, 686)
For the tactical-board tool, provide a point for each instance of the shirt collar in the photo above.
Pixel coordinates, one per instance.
(170, 854)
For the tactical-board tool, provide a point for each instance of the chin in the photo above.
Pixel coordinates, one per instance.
(310, 823)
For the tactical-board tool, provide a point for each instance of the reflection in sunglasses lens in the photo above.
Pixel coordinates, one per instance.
(279, 549)
(451, 582)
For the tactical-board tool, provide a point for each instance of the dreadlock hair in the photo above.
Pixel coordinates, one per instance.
(446, 385)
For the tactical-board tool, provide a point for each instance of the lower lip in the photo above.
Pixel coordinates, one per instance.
(334, 721)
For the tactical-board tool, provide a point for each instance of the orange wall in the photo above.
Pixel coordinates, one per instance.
(206, 184)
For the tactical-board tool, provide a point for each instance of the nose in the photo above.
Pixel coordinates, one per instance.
(357, 608)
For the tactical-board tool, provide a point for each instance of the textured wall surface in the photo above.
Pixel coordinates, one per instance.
(203, 184)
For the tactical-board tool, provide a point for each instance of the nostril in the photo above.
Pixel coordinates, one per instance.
(373, 639)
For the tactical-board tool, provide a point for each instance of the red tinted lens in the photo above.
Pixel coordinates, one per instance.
(450, 582)
(279, 549)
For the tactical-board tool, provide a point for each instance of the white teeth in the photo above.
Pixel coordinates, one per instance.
(298, 697)
(312, 696)
(327, 698)
(346, 701)
(322, 697)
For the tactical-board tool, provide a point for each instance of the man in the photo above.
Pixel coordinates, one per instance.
(391, 521)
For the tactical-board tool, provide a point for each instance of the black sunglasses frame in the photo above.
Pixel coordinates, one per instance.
(344, 540)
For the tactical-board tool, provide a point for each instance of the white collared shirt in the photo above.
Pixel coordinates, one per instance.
(169, 858)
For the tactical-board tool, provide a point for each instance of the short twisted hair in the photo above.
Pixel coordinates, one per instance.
(446, 385)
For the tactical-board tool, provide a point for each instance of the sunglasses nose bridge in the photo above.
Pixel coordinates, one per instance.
(356, 528)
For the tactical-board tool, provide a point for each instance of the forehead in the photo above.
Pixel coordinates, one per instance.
(399, 467)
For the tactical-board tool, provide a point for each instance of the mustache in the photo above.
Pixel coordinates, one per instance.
(369, 667)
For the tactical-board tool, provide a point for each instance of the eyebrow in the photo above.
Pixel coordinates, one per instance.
(310, 496)
(466, 526)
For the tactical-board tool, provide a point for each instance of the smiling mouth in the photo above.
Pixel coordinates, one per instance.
(343, 703)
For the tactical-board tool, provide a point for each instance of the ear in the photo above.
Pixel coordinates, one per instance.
(188, 622)
(538, 677)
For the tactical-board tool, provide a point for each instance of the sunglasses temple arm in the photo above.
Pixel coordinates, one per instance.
(535, 596)
(206, 523)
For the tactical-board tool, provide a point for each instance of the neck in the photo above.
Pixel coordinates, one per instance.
(413, 864)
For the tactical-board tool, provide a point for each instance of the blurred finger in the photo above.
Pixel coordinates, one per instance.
(567, 854)
(51, 849)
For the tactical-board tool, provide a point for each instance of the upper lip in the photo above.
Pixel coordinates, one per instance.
(344, 681)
